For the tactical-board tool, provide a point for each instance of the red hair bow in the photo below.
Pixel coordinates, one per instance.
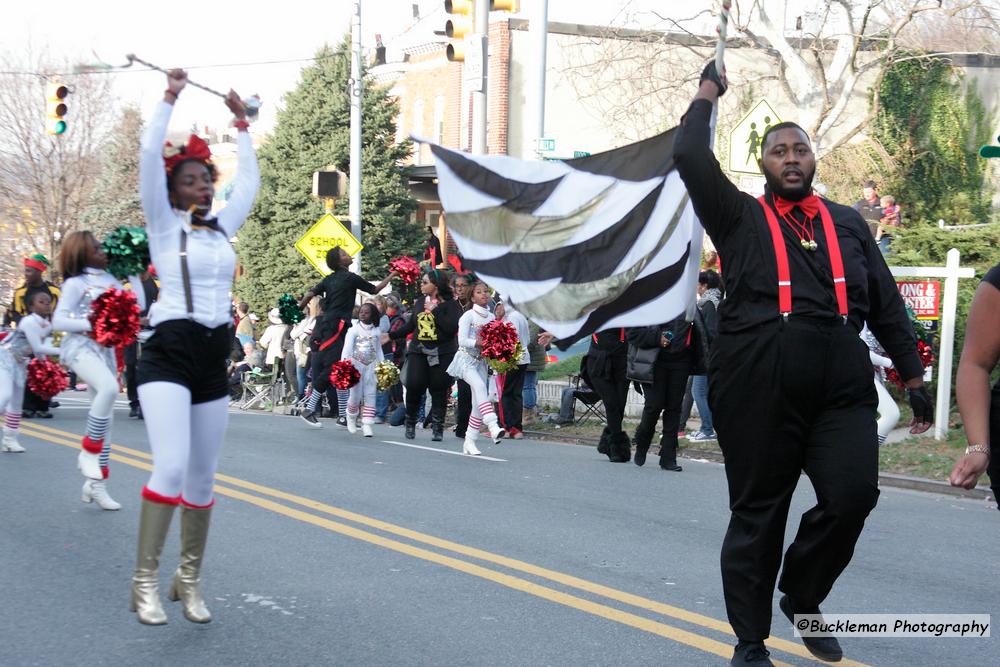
(196, 149)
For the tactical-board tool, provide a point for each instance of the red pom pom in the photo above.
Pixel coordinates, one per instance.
(46, 378)
(499, 340)
(114, 318)
(343, 374)
(926, 353)
(407, 268)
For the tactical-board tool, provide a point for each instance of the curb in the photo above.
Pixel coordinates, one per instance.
(885, 478)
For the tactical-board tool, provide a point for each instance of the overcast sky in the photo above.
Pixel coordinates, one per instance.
(216, 39)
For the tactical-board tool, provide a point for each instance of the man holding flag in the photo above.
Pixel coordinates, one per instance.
(790, 380)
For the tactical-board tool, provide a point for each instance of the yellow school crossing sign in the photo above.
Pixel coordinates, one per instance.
(745, 139)
(328, 232)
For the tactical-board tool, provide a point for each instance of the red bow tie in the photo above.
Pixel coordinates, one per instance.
(808, 205)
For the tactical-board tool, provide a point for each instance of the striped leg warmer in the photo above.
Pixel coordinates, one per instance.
(368, 416)
(12, 421)
(342, 402)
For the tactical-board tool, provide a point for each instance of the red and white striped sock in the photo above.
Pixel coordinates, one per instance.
(353, 409)
(475, 423)
(12, 421)
(369, 412)
(485, 408)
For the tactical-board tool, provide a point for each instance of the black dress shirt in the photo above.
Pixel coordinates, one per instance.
(736, 223)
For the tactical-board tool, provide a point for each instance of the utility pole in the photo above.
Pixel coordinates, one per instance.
(354, 197)
(482, 31)
(538, 30)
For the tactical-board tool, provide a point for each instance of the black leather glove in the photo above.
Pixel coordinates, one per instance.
(711, 74)
(920, 402)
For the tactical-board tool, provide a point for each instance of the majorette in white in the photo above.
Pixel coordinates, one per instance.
(15, 352)
(363, 346)
(470, 366)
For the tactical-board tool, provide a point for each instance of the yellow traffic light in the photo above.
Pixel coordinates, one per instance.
(504, 5)
(55, 108)
(458, 26)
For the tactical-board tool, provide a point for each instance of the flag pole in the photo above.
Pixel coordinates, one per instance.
(720, 63)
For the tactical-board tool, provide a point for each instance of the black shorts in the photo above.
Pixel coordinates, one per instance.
(189, 354)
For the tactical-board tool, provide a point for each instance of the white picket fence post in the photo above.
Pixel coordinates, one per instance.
(951, 272)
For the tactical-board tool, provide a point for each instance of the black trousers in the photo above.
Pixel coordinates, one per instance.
(421, 377)
(664, 396)
(131, 383)
(512, 398)
(33, 402)
(463, 409)
(789, 397)
(323, 360)
(607, 378)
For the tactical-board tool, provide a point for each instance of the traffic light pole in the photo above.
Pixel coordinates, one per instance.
(482, 26)
(354, 190)
(538, 31)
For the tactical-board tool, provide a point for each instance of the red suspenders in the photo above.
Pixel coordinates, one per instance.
(621, 335)
(784, 273)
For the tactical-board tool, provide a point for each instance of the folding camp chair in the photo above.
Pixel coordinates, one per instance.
(258, 389)
(593, 406)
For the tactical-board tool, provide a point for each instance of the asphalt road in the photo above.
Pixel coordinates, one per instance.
(332, 549)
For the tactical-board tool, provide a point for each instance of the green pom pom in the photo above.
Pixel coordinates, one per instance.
(127, 249)
(288, 309)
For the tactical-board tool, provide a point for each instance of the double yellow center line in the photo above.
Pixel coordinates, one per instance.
(265, 498)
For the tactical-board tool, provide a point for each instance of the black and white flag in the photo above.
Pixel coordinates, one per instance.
(604, 241)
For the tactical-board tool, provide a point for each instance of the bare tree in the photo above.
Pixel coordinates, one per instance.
(831, 55)
(45, 180)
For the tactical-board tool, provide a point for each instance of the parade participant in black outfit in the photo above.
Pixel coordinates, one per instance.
(150, 289)
(463, 406)
(979, 405)
(669, 352)
(434, 325)
(338, 291)
(790, 380)
(606, 365)
(34, 281)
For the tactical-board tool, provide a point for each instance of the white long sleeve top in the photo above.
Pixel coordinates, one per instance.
(211, 259)
(73, 310)
(30, 335)
(271, 341)
(363, 343)
(469, 325)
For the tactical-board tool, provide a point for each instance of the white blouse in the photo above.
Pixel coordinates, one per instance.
(72, 313)
(469, 325)
(211, 259)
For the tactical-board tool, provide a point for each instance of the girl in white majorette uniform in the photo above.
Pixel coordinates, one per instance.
(183, 388)
(470, 366)
(83, 263)
(15, 353)
(363, 346)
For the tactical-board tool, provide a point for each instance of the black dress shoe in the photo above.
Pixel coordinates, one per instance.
(620, 448)
(751, 653)
(671, 466)
(411, 431)
(43, 414)
(437, 433)
(54, 404)
(133, 412)
(824, 648)
(28, 414)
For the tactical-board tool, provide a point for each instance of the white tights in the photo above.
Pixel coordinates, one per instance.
(185, 440)
(102, 384)
(888, 411)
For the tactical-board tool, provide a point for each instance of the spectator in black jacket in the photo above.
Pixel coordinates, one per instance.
(660, 358)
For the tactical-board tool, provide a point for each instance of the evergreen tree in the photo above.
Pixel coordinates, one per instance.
(312, 132)
(114, 199)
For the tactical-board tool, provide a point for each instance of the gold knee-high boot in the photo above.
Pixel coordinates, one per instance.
(154, 521)
(186, 586)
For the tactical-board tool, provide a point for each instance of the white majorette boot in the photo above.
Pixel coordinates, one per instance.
(469, 444)
(95, 491)
(497, 432)
(10, 443)
(352, 423)
(366, 428)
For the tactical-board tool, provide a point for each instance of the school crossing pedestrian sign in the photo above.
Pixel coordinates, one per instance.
(745, 139)
(328, 232)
